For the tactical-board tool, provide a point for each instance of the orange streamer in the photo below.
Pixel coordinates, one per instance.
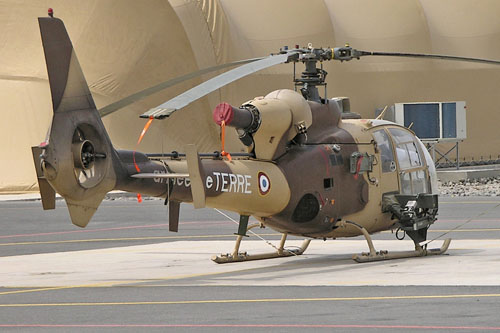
(223, 139)
(144, 130)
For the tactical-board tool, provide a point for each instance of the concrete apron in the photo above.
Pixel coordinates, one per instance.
(467, 262)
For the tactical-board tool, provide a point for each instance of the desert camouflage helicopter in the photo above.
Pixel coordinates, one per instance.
(312, 167)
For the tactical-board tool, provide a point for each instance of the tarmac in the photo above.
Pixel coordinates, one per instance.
(188, 258)
(181, 261)
(126, 271)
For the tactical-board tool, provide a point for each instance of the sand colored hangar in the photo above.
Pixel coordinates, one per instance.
(126, 46)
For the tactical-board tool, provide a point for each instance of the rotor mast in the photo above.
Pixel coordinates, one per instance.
(312, 76)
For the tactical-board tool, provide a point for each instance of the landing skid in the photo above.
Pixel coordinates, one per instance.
(386, 255)
(237, 256)
(373, 255)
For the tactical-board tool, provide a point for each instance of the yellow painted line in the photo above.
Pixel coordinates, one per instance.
(262, 300)
(103, 284)
(125, 239)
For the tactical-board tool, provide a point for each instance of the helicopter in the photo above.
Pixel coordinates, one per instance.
(312, 168)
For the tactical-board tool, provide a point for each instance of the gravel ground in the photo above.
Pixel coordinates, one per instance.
(489, 187)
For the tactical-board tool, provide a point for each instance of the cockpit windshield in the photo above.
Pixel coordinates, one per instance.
(405, 149)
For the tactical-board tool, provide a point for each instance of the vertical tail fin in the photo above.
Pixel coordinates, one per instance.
(67, 84)
(77, 159)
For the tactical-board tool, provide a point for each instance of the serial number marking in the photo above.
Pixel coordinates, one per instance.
(229, 182)
(222, 181)
(184, 181)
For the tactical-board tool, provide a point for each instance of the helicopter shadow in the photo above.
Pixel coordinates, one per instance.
(302, 268)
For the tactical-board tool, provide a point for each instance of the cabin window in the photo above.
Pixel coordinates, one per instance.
(385, 147)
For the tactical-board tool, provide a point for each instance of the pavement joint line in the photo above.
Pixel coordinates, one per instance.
(108, 229)
(261, 300)
(100, 207)
(124, 239)
(422, 327)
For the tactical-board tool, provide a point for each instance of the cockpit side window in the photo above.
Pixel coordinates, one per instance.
(385, 147)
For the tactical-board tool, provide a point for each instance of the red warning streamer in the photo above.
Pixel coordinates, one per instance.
(223, 139)
(144, 130)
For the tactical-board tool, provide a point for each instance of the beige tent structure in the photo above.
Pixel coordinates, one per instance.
(125, 46)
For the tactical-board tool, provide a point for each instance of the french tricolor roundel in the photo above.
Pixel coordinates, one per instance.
(264, 183)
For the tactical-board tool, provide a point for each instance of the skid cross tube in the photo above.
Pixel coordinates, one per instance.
(373, 255)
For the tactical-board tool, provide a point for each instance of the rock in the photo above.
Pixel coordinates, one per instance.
(481, 187)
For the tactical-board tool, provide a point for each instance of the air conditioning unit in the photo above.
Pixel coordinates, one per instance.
(436, 121)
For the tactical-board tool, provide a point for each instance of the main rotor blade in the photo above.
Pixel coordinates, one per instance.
(193, 94)
(347, 53)
(431, 56)
(110, 108)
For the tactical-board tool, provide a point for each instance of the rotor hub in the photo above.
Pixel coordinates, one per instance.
(84, 154)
